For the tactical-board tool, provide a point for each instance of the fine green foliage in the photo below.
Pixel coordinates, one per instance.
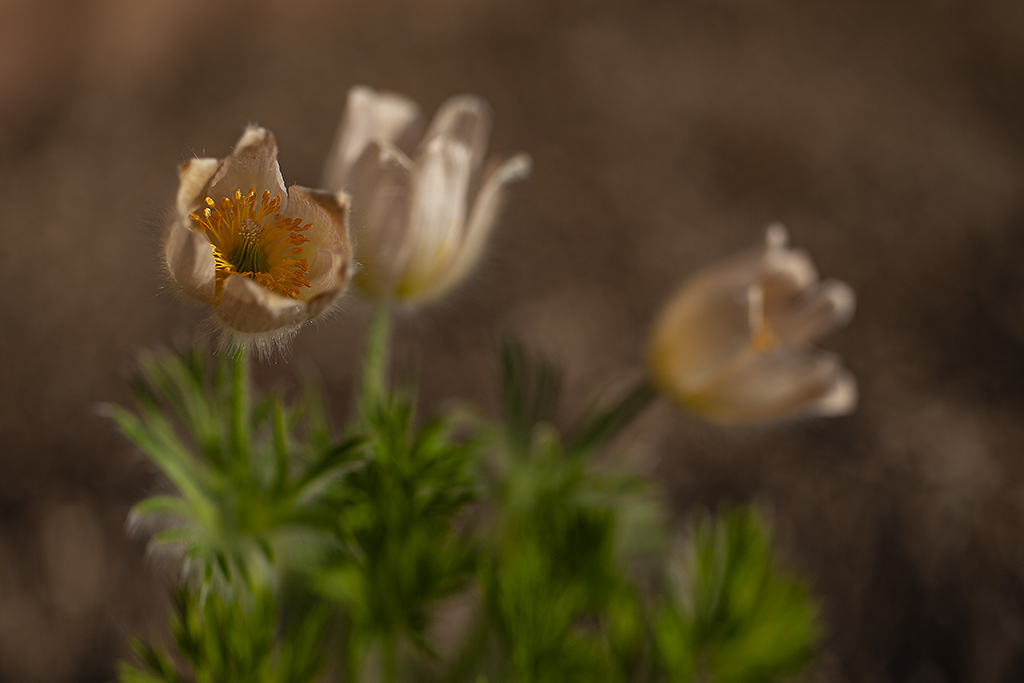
(237, 637)
(732, 616)
(403, 549)
(552, 575)
(309, 556)
(252, 477)
(530, 391)
(554, 585)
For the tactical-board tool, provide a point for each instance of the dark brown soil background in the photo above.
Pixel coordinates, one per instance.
(888, 136)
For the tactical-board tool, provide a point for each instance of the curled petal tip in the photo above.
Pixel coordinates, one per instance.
(518, 167)
(776, 236)
(842, 301)
(840, 399)
(255, 135)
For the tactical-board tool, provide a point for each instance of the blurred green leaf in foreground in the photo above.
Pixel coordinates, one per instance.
(253, 477)
(729, 614)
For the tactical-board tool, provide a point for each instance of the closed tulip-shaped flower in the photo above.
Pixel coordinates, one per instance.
(735, 343)
(422, 205)
(266, 259)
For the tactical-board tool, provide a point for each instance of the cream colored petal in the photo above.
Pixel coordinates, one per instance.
(775, 386)
(327, 270)
(193, 183)
(252, 163)
(437, 216)
(329, 252)
(190, 260)
(253, 309)
(381, 185)
(482, 219)
(328, 213)
(465, 119)
(702, 330)
(818, 311)
(328, 277)
(370, 116)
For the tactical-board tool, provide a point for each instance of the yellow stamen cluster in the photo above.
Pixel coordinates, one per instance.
(255, 241)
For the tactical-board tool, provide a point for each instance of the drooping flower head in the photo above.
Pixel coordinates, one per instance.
(423, 205)
(734, 344)
(264, 258)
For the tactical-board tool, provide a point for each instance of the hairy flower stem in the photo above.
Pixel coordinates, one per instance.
(470, 654)
(390, 655)
(378, 341)
(240, 412)
(348, 660)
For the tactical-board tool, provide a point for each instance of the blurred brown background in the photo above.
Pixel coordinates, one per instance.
(888, 136)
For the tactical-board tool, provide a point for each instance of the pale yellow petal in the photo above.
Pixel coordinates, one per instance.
(370, 116)
(190, 260)
(251, 164)
(704, 327)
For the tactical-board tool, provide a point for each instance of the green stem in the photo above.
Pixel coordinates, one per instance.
(390, 655)
(602, 426)
(280, 448)
(471, 652)
(348, 665)
(240, 412)
(375, 378)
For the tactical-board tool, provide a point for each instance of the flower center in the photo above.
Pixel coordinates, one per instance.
(252, 239)
(248, 256)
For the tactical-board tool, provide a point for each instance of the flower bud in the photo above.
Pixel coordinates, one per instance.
(423, 207)
(734, 344)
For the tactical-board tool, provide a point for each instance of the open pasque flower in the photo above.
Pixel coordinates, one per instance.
(422, 208)
(266, 259)
(734, 345)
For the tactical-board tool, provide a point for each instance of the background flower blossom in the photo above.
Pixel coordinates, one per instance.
(734, 344)
(421, 218)
(264, 258)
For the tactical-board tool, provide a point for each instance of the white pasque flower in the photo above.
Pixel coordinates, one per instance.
(734, 344)
(422, 209)
(264, 258)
